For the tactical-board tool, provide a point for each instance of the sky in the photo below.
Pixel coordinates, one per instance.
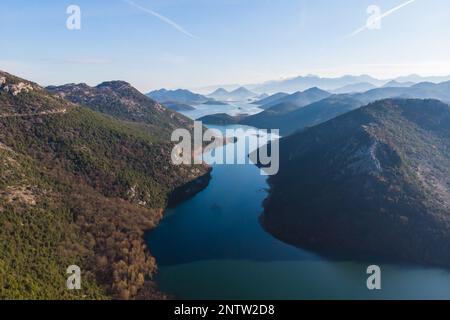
(195, 43)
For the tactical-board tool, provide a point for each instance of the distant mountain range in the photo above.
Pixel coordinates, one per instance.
(310, 81)
(266, 93)
(374, 182)
(302, 117)
(270, 99)
(356, 87)
(415, 78)
(396, 84)
(240, 94)
(299, 118)
(300, 99)
(335, 85)
(422, 90)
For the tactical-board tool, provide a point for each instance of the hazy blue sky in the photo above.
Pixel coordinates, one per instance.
(203, 42)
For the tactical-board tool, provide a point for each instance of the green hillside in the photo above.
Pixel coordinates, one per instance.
(79, 187)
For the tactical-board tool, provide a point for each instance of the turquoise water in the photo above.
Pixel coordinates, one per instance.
(213, 247)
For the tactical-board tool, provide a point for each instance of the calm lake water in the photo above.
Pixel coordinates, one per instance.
(213, 247)
(232, 109)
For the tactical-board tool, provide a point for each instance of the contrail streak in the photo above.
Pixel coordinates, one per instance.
(384, 15)
(162, 18)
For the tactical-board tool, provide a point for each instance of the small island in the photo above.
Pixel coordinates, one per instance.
(176, 106)
(222, 119)
(215, 103)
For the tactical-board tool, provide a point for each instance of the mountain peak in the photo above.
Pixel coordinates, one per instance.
(315, 90)
(240, 89)
(115, 85)
(219, 91)
(121, 100)
(398, 84)
(238, 94)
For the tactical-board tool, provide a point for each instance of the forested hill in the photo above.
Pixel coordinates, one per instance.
(372, 183)
(79, 187)
(119, 99)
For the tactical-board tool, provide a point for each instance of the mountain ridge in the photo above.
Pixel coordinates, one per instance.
(239, 94)
(300, 98)
(373, 182)
(301, 83)
(119, 99)
(335, 105)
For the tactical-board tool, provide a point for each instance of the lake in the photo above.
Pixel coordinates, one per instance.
(213, 247)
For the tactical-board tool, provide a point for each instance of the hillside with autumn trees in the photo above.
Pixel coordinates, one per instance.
(80, 185)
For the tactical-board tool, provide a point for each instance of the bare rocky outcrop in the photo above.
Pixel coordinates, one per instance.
(15, 86)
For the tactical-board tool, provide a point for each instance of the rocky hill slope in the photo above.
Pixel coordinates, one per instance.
(120, 100)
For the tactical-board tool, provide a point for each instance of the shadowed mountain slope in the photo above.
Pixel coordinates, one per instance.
(373, 183)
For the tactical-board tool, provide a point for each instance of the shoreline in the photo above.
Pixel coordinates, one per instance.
(175, 198)
(181, 194)
(330, 252)
(189, 190)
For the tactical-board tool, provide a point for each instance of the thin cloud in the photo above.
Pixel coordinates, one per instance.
(88, 61)
(384, 15)
(164, 19)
